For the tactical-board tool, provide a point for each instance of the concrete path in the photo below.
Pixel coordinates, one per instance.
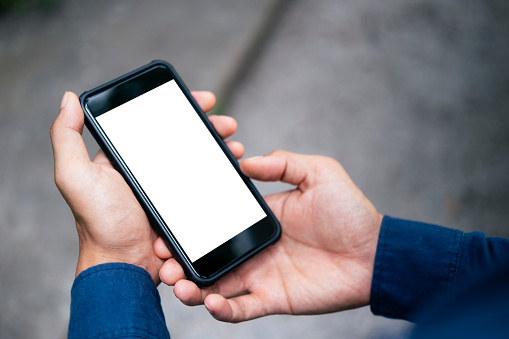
(410, 97)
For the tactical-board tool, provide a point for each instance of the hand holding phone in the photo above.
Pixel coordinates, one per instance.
(324, 261)
(111, 224)
(209, 214)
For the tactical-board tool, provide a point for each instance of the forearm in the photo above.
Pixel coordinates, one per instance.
(116, 300)
(417, 263)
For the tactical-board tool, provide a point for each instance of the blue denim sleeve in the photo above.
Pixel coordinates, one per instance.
(116, 300)
(417, 264)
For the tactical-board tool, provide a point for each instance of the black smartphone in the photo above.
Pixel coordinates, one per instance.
(210, 215)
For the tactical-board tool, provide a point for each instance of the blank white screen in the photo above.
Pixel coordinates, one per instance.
(182, 169)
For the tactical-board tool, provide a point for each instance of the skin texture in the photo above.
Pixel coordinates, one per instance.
(324, 261)
(111, 224)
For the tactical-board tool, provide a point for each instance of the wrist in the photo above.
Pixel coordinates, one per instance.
(371, 249)
(90, 256)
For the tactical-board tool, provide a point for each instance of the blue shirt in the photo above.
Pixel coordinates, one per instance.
(418, 264)
(417, 267)
(116, 301)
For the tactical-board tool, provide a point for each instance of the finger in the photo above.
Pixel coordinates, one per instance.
(161, 250)
(188, 293)
(232, 285)
(205, 99)
(235, 310)
(282, 166)
(69, 149)
(224, 125)
(236, 148)
(101, 159)
(171, 272)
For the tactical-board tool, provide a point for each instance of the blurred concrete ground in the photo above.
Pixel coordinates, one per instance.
(411, 97)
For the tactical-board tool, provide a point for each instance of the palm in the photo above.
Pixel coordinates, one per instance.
(312, 257)
(322, 263)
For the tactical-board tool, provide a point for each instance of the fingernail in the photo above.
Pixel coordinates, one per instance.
(211, 311)
(64, 100)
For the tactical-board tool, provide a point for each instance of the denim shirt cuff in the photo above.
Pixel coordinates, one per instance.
(116, 300)
(415, 264)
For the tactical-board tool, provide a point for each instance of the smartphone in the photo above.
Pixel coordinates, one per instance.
(209, 214)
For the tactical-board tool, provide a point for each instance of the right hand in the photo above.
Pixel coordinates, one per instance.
(324, 261)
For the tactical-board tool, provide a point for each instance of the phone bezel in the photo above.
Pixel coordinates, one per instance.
(208, 269)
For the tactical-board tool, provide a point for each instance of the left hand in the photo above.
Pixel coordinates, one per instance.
(111, 225)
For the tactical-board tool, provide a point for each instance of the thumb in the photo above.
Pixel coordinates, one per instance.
(69, 150)
(284, 166)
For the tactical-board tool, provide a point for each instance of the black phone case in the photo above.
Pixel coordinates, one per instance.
(155, 220)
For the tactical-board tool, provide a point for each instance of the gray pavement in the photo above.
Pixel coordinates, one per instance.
(411, 97)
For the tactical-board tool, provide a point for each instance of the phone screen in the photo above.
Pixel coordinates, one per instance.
(181, 168)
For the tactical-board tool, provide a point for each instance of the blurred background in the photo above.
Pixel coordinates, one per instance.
(412, 97)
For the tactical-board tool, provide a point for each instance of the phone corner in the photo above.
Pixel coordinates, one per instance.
(83, 97)
(163, 63)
